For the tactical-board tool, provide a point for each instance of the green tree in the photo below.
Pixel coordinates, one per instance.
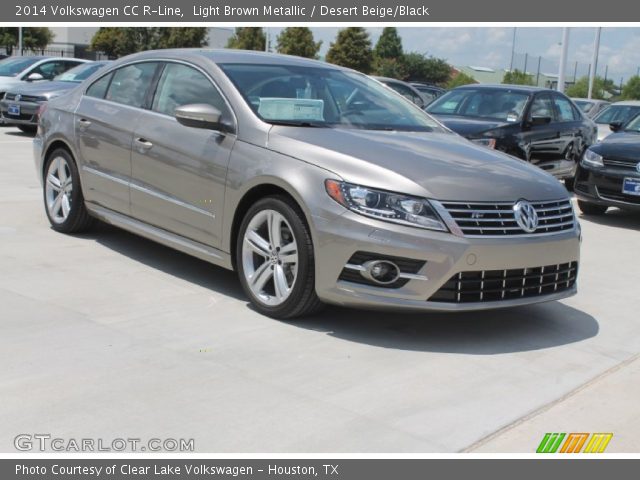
(389, 44)
(352, 49)
(631, 90)
(516, 77)
(580, 89)
(423, 68)
(298, 41)
(389, 67)
(248, 38)
(119, 41)
(460, 79)
(33, 38)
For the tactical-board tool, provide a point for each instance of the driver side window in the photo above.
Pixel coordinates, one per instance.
(541, 107)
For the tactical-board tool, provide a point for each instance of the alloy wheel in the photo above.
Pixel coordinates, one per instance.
(58, 190)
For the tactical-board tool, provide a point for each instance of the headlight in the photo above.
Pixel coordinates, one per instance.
(592, 159)
(387, 206)
(485, 142)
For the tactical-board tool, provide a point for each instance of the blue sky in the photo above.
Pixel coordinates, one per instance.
(491, 46)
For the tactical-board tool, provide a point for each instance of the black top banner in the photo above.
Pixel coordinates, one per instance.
(328, 11)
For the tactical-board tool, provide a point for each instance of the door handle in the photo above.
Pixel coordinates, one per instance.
(143, 143)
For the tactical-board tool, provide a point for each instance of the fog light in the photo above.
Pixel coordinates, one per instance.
(383, 272)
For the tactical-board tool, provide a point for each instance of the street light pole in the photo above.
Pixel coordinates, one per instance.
(563, 58)
(513, 49)
(594, 61)
(20, 41)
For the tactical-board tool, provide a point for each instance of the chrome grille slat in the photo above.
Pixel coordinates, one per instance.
(497, 285)
(482, 219)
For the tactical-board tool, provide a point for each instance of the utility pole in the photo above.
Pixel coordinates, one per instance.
(594, 61)
(538, 74)
(20, 41)
(513, 49)
(563, 58)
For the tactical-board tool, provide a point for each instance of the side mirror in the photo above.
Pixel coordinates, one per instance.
(540, 120)
(34, 77)
(200, 115)
(615, 126)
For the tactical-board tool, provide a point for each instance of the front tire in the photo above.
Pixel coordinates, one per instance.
(275, 261)
(63, 199)
(592, 208)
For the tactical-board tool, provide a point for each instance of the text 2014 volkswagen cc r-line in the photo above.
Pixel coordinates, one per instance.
(316, 183)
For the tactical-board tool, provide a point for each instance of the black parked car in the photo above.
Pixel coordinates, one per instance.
(429, 92)
(538, 125)
(609, 172)
(404, 89)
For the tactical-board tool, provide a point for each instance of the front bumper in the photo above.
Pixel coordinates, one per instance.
(603, 186)
(445, 255)
(28, 113)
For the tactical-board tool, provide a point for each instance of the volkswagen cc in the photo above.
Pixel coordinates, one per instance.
(315, 183)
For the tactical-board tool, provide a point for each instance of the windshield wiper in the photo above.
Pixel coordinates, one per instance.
(299, 123)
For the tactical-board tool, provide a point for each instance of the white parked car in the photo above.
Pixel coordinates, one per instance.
(16, 70)
(619, 112)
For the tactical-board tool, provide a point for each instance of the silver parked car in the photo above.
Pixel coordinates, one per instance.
(315, 182)
(590, 107)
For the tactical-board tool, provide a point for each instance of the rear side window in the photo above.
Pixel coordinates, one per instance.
(566, 111)
(129, 85)
(182, 85)
(48, 70)
(98, 89)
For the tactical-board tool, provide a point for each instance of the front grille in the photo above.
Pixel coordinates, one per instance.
(406, 265)
(497, 285)
(617, 195)
(622, 164)
(24, 98)
(497, 219)
(24, 116)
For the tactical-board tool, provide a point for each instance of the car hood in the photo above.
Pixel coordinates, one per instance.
(44, 89)
(620, 145)
(442, 166)
(8, 82)
(470, 127)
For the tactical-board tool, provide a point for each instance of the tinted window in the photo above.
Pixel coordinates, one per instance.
(584, 105)
(10, 67)
(50, 69)
(541, 107)
(80, 72)
(99, 88)
(182, 85)
(502, 104)
(565, 109)
(130, 83)
(617, 113)
(404, 91)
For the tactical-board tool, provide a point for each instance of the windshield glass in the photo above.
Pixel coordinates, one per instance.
(633, 125)
(11, 67)
(617, 113)
(80, 73)
(504, 104)
(324, 97)
(584, 105)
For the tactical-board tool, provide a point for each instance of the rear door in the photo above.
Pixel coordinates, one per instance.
(570, 127)
(178, 173)
(105, 119)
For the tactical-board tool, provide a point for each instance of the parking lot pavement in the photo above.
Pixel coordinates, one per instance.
(107, 335)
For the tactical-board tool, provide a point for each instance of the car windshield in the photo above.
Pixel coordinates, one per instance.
(633, 125)
(11, 67)
(499, 104)
(584, 105)
(617, 113)
(324, 97)
(80, 73)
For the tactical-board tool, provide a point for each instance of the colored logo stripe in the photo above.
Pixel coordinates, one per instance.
(550, 443)
(598, 442)
(574, 443)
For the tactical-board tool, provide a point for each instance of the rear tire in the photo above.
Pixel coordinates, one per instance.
(275, 260)
(592, 208)
(63, 199)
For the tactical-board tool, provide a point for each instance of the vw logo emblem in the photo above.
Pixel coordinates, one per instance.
(526, 216)
(18, 97)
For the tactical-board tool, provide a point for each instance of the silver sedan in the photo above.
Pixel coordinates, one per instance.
(314, 182)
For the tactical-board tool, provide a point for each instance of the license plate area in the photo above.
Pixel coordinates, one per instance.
(13, 109)
(631, 186)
